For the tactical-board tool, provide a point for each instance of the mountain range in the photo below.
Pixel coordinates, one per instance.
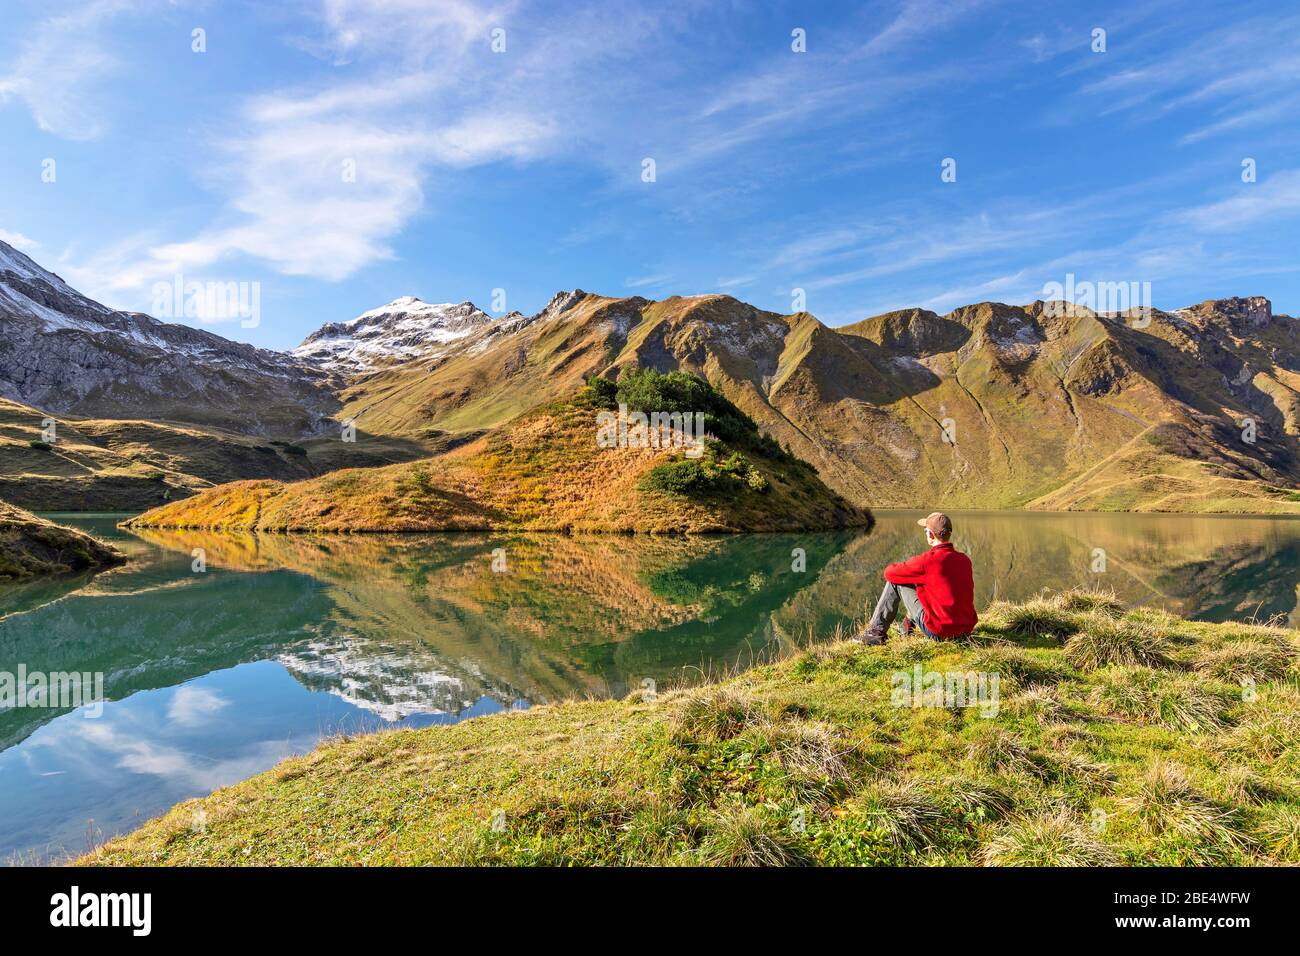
(1039, 406)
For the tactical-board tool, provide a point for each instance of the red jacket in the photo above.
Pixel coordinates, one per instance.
(943, 582)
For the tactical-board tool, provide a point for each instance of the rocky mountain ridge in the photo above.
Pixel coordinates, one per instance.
(65, 353)
(1043, 405)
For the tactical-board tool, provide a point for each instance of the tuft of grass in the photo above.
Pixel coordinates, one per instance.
(1279, 832)
(1239, 661)
(1242, 786)
(999, 749)
(912, 649)
(1118, 641)
(903, 812)
(812, 752)
(745, 836)
(978, 799)
(1091, 601)
(1149, 696)
(1039, 619)
(716, 713)
(1166, 802)
(1042, 702)
(1053, 837)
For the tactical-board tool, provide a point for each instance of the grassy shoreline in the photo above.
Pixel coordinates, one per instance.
(548, 471)
(1127, 737)
(32, 547)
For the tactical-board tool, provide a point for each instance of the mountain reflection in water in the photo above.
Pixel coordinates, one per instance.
(410, 630)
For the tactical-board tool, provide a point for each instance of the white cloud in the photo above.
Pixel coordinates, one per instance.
(1274, 198)
(60, 69)
(19, 241)
(736, 282)
(1242, 75)
(915, 19)
(642, 282)
(192, 705)
(1009, 288)
(415, 30)
(317, 181)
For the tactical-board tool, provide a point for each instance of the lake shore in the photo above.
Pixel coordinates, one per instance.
(1099, 735)
(34, 548)
(550, 470)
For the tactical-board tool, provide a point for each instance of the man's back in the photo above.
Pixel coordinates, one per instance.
(945, 584)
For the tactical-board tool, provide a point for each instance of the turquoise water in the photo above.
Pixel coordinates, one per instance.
(216, 670)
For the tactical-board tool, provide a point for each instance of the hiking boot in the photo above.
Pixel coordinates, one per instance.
(908, 626)
(873, 636)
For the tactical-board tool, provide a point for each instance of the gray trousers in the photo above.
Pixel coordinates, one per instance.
(887, 607)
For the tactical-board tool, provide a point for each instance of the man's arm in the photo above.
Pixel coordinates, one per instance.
(911, 571)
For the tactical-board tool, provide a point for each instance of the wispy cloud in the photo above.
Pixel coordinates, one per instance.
(1242, 74)
(19, 241)
(59, 71)
(1275, 197)
(918, 18)
(736, 282)
(644, 282)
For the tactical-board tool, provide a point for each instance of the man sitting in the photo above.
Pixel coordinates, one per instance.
(936, 588)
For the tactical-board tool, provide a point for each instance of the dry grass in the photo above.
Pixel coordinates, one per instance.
(1166, 802)
(1246, 660)
(33, 547)
(1124, 643)
(543, 472)
(745, 836)
(1053, 837)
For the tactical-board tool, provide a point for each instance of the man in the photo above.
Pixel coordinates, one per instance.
(936, 588)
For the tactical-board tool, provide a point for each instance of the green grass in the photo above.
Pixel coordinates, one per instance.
(809, 761)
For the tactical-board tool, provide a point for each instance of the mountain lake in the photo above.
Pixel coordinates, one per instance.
(222, 654)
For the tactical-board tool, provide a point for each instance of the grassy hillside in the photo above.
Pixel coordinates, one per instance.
(109, 465)
(1127, 737)
(545, 471)
(1167, 469)
(33, 547)
(989, 406)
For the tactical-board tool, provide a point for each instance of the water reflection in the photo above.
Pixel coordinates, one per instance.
(420, 623)
(215, 674)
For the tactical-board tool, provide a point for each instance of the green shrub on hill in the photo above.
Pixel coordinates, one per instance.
(601, 392)
(710, 474)
(646, 390)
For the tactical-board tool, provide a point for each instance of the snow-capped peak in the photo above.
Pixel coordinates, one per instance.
(11, 260)
(404, 329)
(407, 305)
(30, 291)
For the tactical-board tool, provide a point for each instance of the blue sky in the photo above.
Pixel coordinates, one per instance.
(774, 170)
